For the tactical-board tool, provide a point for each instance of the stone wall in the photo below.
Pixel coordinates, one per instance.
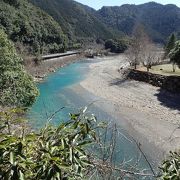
(170, 83)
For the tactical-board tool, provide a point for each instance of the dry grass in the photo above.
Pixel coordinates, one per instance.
(165, 69)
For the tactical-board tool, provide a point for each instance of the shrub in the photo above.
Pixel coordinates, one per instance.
(16, 86)
(63, 152)
(51, 153)
(171, 167)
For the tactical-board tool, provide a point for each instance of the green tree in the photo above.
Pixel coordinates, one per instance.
(121, 46)
(175, 55)
(109, 43)
(40, 32)
(12, 2)
(116, 46)
(16, 86)
(170, 44)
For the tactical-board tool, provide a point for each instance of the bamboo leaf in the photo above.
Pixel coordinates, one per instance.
(21, 175)
(12, 158)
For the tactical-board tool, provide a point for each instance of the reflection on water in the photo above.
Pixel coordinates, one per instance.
(56, 93)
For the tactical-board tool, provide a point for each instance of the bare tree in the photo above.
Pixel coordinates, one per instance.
(132, 56)
(149, 55)
(105, 165)
(136, 47)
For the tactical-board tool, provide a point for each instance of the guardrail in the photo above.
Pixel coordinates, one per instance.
(51, 56)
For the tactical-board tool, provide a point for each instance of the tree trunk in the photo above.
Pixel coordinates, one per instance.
(174, 67)
(135, 66)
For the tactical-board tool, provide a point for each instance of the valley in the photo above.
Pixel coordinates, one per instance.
(89, 93)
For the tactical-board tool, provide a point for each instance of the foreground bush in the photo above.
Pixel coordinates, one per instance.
(63, 152)
(171, 167)
(16, 86)
(52, 153)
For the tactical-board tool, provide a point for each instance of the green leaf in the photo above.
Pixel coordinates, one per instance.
(12, 158)
(74, 116)
(71, 154)
(87, 163)
(64, 166)
(21, 175)
(85, 143)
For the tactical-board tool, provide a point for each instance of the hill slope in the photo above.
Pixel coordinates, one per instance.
(159, 20)
(77, 21)
(29, 26)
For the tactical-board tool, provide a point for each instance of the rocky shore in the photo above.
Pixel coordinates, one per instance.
(41, 70)
(153, 112)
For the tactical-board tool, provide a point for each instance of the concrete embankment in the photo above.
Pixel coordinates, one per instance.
(170, 83)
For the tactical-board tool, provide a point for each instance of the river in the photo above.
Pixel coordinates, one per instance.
(59, 89)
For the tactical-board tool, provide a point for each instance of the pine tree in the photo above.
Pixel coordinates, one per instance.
(175, 55)
(170, 44)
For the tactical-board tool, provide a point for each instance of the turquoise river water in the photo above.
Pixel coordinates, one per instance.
(56, 92)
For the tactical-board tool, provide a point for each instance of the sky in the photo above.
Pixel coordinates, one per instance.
(97, 4)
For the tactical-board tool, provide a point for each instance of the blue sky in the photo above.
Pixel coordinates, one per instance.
(97, 4)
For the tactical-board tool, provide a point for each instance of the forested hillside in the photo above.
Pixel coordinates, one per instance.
(159, 20)
(71, 24)
(77, 21)
(82, 22)
(30, 27)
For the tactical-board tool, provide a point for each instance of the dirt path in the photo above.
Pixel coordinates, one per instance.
(152, 112)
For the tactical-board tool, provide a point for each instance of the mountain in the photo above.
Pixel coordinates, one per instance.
(159, 20)
(30, 27)
(54, 25)
(79, 22)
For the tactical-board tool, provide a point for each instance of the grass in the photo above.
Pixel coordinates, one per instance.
(165, 69)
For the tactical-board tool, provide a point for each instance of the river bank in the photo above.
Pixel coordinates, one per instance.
(41, 70)
(136, 102)
(64, 89)
(134, 105)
